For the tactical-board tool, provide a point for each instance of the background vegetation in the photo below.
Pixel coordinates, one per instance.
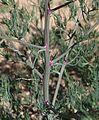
(73, 83)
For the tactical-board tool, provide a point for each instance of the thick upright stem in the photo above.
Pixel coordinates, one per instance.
(47, 67)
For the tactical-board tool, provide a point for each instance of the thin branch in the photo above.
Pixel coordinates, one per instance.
(60, 6)
(38, 73)
(93, 27)
(61, 74)
(22, 42)
(58, 84)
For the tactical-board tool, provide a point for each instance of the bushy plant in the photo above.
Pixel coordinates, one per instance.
(57, 85)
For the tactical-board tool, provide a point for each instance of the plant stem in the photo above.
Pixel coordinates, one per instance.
(22, 42)
(61, 73)
(47, 56)
(61, 6)
(58, 84)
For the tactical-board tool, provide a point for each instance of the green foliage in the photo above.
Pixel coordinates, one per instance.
(6, 1)
(21, 88)
(18, 24)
